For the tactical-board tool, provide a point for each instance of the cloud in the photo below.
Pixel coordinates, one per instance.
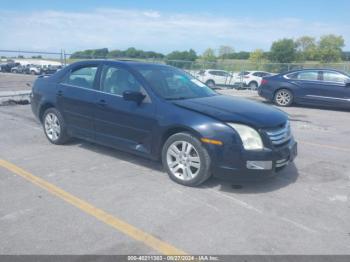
(149, 30)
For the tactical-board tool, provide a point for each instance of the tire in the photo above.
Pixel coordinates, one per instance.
(32, 72)
(55, 127)
(283, 97)
(193, 172)
(253, 85)
(15, 71)
(211, 84)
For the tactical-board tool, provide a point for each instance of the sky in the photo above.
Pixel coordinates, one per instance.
(164, 26)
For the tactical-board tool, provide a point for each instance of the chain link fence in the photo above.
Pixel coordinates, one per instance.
(233, 68)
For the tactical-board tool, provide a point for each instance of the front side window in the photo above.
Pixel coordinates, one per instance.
(117, 80)
(330, 76)
(171, 83)
(82, 77)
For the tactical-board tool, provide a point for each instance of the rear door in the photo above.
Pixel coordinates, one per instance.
(219, 77)
(120, 123)
(334, 89)
(76, 100)
(309, 83)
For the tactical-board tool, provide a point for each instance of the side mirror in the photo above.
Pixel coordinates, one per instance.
(133, 96)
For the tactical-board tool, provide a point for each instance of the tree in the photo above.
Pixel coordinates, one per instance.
(283, 51)
(184, 55)
(306, 48)
(209, 55)
(257, 56)
(224, 50)
(330, 48)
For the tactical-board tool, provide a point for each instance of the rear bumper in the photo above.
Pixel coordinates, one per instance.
(265, 93)
(259, 165)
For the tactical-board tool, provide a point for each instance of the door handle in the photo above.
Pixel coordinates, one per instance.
(59, 93)
(102, 103)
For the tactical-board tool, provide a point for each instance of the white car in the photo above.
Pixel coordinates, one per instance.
(251, 79)
(214, 77)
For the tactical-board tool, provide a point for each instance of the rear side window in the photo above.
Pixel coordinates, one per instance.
(330, 76)
(259, 74)
(82, 77)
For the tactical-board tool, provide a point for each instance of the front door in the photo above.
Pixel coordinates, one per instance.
(120, 123)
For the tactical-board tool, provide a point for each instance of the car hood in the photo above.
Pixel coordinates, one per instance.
(237, 110)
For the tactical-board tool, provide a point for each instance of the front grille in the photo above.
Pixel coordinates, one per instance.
(280, 136)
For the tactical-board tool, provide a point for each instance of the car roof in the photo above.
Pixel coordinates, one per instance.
(314, 69)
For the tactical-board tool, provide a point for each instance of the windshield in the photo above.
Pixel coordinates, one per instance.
(172, 84)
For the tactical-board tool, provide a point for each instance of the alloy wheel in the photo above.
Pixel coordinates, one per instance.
(283, 97)
(183, 160)
(52, 127)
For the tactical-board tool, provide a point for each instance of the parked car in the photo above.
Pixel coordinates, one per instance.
(6, 67)
(251, 79)
(33, 70)
(19, 69)
(49, 70)
(161, 112)
(214, 77)
(320, 87)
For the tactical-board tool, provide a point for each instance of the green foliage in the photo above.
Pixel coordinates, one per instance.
(242, 55)
(104, 53)
(257, 56)
(330, 48)
(209, 55)
(91, 53)
(346, 56)
(283, 51)
(306, 48)
(184, 55)
(225, 50)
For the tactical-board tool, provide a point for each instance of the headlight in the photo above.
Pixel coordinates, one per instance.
(249, 136)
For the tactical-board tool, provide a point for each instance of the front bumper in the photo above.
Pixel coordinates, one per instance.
(258, 165)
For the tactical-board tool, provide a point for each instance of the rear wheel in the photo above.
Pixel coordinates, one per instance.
(283, 97)
(186, 161)
(253, 85)
(210, 83)
(55, 127)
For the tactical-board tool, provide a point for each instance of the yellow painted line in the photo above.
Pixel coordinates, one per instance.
(118, 224)
(325, 146)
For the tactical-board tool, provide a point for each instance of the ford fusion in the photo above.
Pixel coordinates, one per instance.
(162, 113)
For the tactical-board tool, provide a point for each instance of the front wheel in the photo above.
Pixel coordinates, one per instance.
(55, 127)
(186, 161)
(283, 97)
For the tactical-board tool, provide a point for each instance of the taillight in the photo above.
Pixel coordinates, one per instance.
(264, 82)
(246, 76)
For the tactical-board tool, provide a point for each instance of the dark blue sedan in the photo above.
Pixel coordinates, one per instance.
(161, 112)
(319, 87)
